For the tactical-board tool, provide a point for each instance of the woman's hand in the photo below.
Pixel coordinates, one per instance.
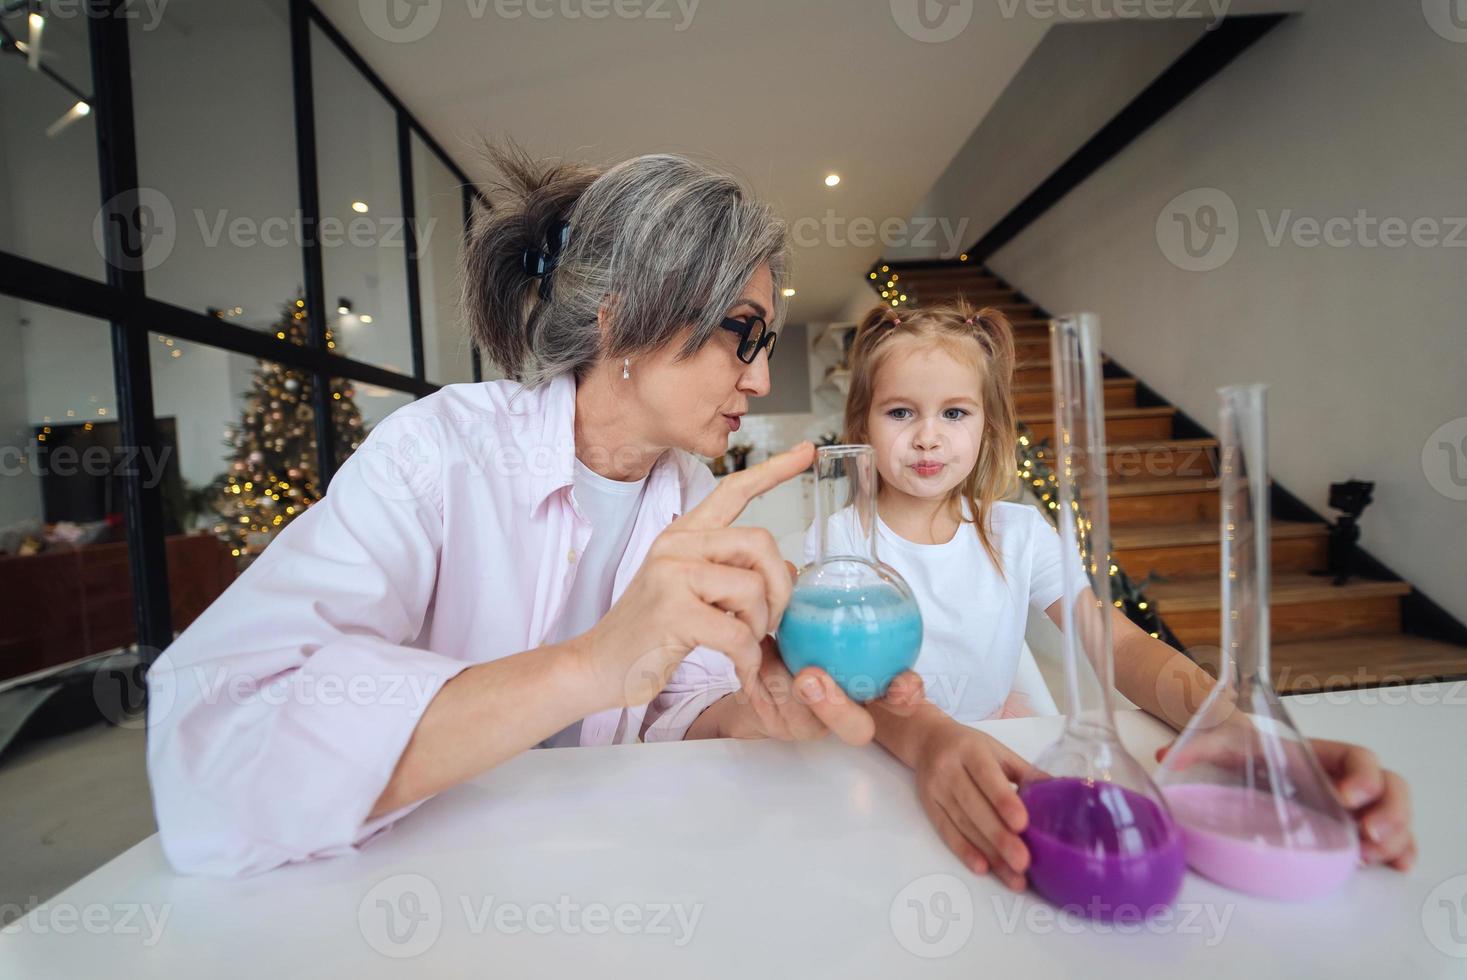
(702, 583)
(965, 780)
(807, 706)
(1377, 798)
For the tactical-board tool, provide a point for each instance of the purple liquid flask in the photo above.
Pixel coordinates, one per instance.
(1101, 841)
(1256, 810)
(849, 613)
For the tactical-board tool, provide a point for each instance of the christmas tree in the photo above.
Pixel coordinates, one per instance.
(274, 475)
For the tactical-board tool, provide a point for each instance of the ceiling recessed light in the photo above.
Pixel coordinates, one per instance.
(360, 207)
(832, 179)
(788, 292)
(365, 318)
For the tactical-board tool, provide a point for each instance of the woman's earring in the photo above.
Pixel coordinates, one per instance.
(626, 368)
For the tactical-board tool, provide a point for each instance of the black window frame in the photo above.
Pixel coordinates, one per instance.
(122, 300)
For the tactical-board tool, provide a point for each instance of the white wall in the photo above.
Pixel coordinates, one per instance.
(1354, 105)
(1075, 82)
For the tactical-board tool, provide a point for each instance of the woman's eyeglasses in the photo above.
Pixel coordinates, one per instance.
(754, 334)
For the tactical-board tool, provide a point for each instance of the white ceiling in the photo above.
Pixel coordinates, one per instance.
(782, 93)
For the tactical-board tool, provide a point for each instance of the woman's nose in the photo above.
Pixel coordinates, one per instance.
(754, 381)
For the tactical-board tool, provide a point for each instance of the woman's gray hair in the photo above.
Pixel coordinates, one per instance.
(660, 242)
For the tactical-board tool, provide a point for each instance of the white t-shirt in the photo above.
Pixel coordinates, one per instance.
(973, 619)
(611, 507)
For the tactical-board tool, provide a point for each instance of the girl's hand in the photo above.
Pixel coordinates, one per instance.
(965, 782)
(1377, 798)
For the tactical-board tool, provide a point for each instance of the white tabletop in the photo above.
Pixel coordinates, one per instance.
(754, 859)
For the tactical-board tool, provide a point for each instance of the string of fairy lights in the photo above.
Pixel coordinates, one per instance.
(1040, 478)
(885, 282)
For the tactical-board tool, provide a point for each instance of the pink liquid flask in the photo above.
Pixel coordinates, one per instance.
(1256, 810)
(1101, 841)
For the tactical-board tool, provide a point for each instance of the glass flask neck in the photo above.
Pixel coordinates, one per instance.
(1244, 534)
(845, 486)
(1082, 516)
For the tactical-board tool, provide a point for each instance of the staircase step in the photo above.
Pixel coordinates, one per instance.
(1153, 460)
(1302, 606)
(1148, 422)
(1119, 393)
(1160, 459)
(1175, 501)
(1193, 548)
(974, 297)
(1033, 367)
(1335, 663)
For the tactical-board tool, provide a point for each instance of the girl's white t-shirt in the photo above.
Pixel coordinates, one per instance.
(611, 507)
(973, 618)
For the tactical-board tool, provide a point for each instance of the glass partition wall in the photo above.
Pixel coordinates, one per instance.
(226, 252)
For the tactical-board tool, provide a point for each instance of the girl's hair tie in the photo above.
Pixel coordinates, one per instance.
(969, 321)
(896, 321)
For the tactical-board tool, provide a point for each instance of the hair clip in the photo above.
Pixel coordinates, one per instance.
(896, 321)
(969, 321)
(540, 263)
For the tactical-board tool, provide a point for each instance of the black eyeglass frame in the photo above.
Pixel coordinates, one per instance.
(750, 348)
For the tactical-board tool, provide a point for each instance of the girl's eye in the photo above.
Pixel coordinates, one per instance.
(950, 414)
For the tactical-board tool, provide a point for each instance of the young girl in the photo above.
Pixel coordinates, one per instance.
(931, 391)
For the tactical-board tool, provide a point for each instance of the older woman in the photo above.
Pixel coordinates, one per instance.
(536, 561)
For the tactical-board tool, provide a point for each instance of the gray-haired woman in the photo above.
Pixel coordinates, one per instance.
(534, 561)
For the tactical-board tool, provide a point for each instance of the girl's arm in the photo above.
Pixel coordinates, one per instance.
(965, 782)
(1167, 685)
(1157, 679)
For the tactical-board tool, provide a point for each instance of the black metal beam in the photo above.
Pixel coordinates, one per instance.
(1204, 59)
(33, 282)
(410, 240)
(310, 197)
(123, 234)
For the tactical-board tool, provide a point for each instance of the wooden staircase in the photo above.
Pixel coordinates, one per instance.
(1164, 523)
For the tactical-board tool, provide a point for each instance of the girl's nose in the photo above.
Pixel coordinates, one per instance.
(926, 436)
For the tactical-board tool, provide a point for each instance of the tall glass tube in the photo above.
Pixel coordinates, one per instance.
(1256, 810)
(1101, 841)
(850, 614)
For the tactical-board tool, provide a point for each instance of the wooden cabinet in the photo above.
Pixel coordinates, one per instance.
(68, 603)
